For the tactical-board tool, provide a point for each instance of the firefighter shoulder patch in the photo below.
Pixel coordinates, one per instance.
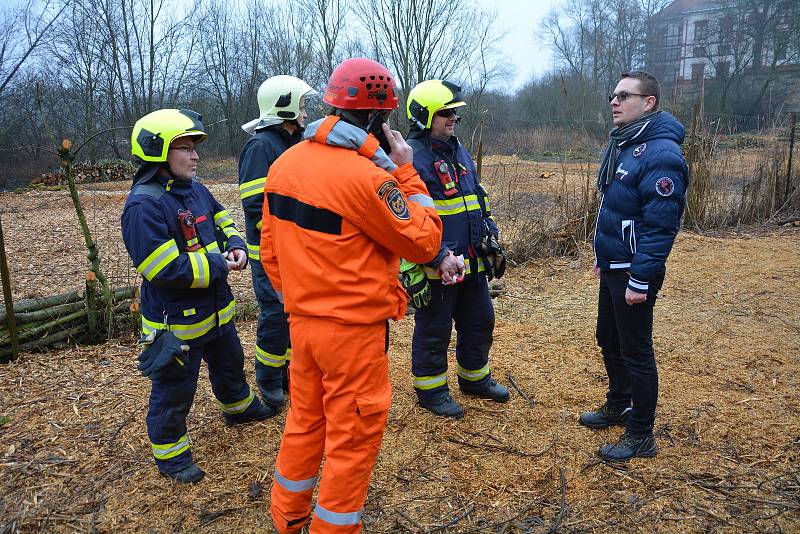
(385, 187)
(665, 186)
(397, 204)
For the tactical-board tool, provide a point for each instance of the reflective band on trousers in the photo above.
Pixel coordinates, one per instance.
(423, 200)
(253, 187)
(192, 330)
(165, 451)
(473, 376)
(267, 358)
(240, 406)
(158, 259)
(254, 252)
(430, 382)
(295, 486)
(336, 518)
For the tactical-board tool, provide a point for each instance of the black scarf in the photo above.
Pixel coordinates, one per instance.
(620, 136)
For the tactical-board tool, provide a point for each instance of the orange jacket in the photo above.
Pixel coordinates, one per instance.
(335, 225)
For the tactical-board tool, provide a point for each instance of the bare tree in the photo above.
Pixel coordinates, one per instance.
(327, 21)
(425, 39)
(22, 30)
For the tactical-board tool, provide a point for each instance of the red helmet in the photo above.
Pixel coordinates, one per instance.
(361, 83)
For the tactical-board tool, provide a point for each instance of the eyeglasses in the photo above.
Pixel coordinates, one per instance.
(622, 96)
(446, 113)
(185, 149)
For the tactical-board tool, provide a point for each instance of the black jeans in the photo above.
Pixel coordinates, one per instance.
(625, 336)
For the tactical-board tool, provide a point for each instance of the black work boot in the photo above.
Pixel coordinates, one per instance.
(188, 475)
(273, 397)
(630, 446)
(443, 406)
(604, 418)
(257, 411)
(492, 391)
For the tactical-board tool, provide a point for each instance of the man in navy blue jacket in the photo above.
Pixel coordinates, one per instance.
(184, 243)
(470, 249)
(281, 102)
(642, 182)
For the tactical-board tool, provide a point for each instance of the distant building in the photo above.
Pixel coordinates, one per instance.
(696, 39)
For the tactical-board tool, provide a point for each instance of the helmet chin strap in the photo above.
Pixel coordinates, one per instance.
(356, 119)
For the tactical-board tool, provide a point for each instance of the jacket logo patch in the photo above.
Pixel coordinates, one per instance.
(665, 186)
(386, 187)
(639, 150)
(397, 204)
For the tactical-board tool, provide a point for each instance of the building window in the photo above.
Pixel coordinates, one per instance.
(698, 71)
(700, 30)
(723, 69)
(724, 49)
(699, 51)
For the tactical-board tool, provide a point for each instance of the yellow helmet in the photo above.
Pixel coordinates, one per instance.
(154, 133)
(430, 96)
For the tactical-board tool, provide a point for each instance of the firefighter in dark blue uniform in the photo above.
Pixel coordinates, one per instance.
(470, 238)
(184, 243)
(281, 102)
(643, 181)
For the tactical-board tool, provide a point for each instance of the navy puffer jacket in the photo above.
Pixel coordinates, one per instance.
(640, 211)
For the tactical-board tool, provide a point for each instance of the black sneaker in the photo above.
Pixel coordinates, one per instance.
(257, 411)
(630, 446)
(493, 391)
(443, 406)
(188, 475)
(604, 418)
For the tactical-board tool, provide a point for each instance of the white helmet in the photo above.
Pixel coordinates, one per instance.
(278, 100)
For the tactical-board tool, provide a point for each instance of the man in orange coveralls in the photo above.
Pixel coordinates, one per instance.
(338, 214)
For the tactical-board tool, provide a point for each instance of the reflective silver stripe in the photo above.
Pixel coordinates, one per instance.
(267, 358)
(158, 259)
(253, 187)
(295, 486)
(166, 451)
(619, 265)
(337, 518)
(638, 285)
(423, 200)
(222, 219)
(240, 406)
(430, 382)
(253, 252)
(473, 376)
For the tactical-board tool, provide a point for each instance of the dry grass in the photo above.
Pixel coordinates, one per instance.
(74, 456)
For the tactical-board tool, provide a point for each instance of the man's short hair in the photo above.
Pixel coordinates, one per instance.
(647, 82)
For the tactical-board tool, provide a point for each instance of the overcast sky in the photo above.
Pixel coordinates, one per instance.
(521, 18)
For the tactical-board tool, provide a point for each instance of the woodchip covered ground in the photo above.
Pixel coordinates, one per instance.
(74, 456)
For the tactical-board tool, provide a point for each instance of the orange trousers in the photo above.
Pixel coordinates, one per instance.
(340, 399)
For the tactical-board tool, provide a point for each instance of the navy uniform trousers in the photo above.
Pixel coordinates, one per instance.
(172, 397)
(272, 336)
(469, 305)
(625, 336)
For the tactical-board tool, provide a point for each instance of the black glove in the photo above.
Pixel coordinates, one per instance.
(164, 356)
(493, 252)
